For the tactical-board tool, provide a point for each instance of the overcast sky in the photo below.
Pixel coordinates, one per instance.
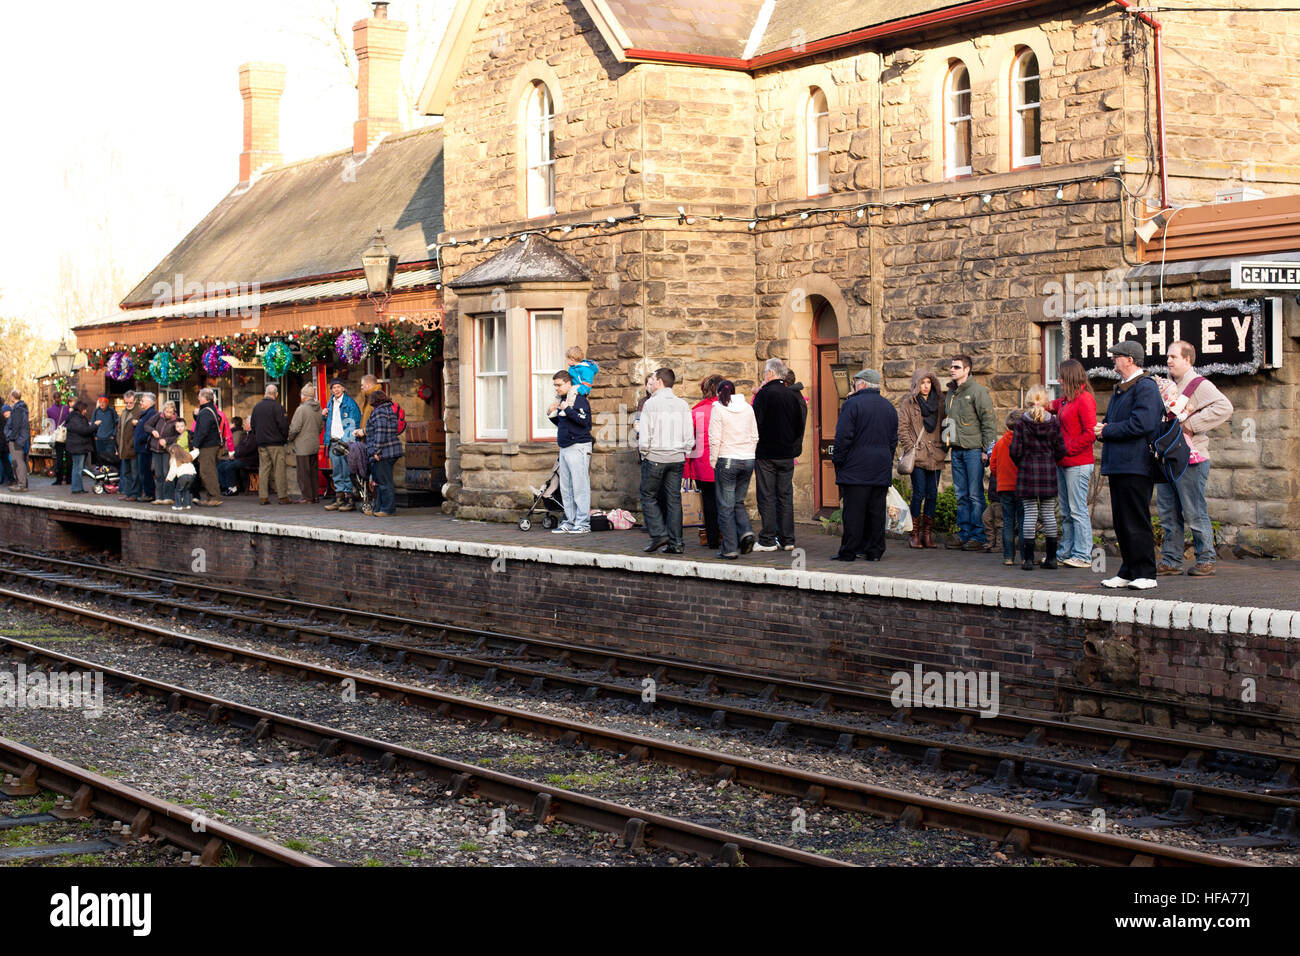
(124, 126)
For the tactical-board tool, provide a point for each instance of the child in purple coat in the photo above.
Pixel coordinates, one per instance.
(1036, 447)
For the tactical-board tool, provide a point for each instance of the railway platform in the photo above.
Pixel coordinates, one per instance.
(1210, 655)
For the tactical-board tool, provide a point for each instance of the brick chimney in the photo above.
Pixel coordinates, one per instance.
(379, 44)
(260, 84)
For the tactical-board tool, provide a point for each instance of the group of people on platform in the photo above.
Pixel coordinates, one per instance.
(163, 460)
(1041, 462)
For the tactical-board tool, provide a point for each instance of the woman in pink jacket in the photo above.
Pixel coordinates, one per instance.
(699, 468)
(733, 438)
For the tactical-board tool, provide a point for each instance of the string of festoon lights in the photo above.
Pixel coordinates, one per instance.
(852, 214)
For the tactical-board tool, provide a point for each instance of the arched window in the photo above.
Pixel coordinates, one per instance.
(539, 150)
(956, 122)
(817, 140)
(1026, 140)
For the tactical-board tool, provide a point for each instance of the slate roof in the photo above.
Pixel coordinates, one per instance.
(537, 260)
(708, 27)
(313, 218)
(810, 20)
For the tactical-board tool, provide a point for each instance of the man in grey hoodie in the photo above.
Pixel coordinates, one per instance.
(665, 433)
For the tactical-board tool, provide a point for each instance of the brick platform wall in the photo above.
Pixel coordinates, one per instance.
(797, 632)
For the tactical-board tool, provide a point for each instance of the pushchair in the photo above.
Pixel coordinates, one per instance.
(359, 467)
(105, 478)
(548, 495)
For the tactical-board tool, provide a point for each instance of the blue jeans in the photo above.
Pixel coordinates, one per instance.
(575, 485)
(1076, 525)
(382, 473)
(129, 472)
(184, 491)
(1185, 503)
(731, 485)
(78, 463)
(1013, 516)
(925, 491)
(164, 489)
(663, 525)
(342, 477)
(968, 482)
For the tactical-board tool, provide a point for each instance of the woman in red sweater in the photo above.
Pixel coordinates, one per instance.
(1077, 410)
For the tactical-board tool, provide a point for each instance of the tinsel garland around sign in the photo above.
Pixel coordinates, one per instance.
(277, 359)
(120, 367)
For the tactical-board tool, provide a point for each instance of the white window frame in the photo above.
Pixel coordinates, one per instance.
(1053, 356)
(483, 378)
(1020, 106)
(539, 151)
(542, 374)
(953, 122)
(817, 148)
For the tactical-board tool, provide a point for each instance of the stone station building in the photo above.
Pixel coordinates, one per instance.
(703, 186)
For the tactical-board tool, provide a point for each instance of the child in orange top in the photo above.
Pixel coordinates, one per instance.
(1004, 473)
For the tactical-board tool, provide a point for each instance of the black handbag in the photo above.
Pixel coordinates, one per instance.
(1170, 453)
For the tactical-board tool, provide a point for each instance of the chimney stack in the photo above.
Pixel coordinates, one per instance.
(379, 44)
(260, 84)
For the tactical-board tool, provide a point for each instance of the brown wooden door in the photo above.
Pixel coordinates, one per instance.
(824, 407)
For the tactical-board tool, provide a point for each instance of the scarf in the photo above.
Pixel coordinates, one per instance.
(929, 410)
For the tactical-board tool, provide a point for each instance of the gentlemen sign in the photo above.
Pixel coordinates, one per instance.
(1229, 336)
(1266, 275)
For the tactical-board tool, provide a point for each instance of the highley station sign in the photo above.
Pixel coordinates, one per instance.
(1231, 337)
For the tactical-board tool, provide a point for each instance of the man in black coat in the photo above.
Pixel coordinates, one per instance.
(270, 429)
(866, 437)
(207, 441)
(780, 414)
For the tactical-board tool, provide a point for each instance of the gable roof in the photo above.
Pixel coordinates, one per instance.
(726, 34)
(312, 219)
(533, 259)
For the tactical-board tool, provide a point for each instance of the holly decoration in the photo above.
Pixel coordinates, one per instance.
(408, 347)
(120, 367)
(351, 347)
(164, 369)
(65, 389)
(214, 361)
(276, 359)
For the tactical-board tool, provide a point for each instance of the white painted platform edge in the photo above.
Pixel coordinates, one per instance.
(1102, 607)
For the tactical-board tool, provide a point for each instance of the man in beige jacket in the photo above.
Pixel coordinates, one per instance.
(1184, 502)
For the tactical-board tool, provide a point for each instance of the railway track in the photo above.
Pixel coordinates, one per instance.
(1026, 834)
(1010, 749)
(83, 795)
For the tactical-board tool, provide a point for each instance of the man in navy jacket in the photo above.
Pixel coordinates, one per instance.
(1132, 417)
(573, 436)
(140, 442)
(866, 436)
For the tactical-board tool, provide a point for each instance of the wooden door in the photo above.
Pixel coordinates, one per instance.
(824, 407)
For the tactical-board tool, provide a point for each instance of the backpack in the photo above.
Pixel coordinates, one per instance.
(227, 435)
(401, 417)
(1170, 453)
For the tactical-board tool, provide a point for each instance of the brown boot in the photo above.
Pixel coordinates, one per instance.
(927, 532)
(914, 536)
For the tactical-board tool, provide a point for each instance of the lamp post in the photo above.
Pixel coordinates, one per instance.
(63, 358)
(380, 265)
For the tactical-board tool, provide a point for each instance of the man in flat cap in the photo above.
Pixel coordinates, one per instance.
(866, 436)
(1132, 417)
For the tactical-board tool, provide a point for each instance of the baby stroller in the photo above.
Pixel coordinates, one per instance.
(549, 497)
(104, 476)
(359, 466)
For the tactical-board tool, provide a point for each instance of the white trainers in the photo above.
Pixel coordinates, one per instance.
(1142, 584)
(1116, 582)
(766, 547)
(561, 529)
(1076, 563)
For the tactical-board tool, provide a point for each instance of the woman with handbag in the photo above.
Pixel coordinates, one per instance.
(698, 467)
(919, 438)
(81, 444)
(58, 414)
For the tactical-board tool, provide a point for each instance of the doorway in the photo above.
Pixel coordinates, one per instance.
(824, 407)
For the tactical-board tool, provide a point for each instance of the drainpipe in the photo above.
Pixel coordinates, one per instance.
(1160, 95)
